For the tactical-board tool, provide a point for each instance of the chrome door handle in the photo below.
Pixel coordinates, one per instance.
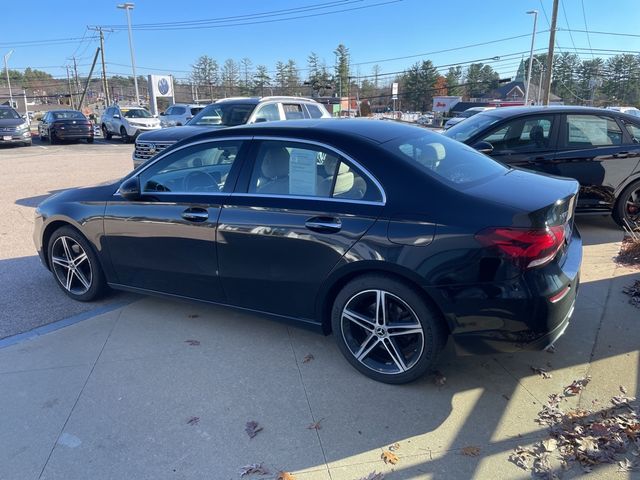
(323, 224)
(195, 214)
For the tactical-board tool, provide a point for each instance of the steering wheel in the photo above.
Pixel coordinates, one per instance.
(199, 181)
(153, 186)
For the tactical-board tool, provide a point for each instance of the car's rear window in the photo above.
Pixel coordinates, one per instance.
(445, 159)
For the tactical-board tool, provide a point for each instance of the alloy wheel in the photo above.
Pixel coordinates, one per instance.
(632, 207)
(71, 265)
(382, 331)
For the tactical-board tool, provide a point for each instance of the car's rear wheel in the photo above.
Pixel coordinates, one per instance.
(627, 210)
(75, 266)
(386, 329)
(105, 132)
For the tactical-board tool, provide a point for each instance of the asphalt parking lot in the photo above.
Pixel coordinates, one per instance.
(154, 388)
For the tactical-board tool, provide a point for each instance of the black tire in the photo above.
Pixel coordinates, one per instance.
(621, 211)
(105, 132)
(418, 351)
(90, 140)
(124, 135)
(52, 138)
(28, 144)
(89, 268)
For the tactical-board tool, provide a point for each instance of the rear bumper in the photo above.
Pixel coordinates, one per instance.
(517, 315)
(63, 135)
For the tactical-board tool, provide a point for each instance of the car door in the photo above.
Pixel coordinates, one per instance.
(166, 241)
(524, 142)
(298, 208)
(594, 149)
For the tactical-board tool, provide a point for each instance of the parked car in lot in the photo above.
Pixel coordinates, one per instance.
(179, 114)
(599, 148)
(61, 125)
(628, 110)
(127, 122)
(392, 237)
(229, 112)
(469, 112)
(14, 129)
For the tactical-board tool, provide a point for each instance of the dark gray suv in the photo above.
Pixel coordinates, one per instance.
(14, 129)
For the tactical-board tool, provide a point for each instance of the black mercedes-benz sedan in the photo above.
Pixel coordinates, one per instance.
(599, 148)
(391, 237)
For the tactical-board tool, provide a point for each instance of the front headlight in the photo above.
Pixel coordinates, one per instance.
(22, 128)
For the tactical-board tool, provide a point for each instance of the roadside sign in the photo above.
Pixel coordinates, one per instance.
(394, 91)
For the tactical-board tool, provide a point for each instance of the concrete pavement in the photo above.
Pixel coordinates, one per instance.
(163, 389)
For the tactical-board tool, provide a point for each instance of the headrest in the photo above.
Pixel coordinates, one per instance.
(275, 162)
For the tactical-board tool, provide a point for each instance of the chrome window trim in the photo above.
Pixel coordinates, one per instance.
(365, 172)
(304, 197)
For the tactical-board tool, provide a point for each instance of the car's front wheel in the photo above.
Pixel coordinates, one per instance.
(627, 210)
(386, 329)
(105, 132)
(75, 266)
(124, 135)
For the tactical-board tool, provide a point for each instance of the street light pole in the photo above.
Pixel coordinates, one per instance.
(127, 7)
(6, 70)
(533, 39)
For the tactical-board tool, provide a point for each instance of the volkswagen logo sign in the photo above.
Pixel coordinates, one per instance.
(163, 86)
(152, 148)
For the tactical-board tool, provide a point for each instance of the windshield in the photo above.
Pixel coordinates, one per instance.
(136, 113)
(224, 114)
(448, 161)
(463, 131)
(68, 116)
(8, 114)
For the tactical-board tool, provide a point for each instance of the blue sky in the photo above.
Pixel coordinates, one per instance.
(383, 29)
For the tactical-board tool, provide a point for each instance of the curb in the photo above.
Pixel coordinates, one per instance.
(57, 325)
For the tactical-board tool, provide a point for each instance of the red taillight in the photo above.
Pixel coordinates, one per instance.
(527, 247)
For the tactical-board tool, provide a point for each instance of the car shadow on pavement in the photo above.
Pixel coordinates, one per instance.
(31, 298)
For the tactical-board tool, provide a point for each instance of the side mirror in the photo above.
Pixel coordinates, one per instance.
(130, 189)
(260, 120)
(483, 147)
(116, 116)
(162, 114)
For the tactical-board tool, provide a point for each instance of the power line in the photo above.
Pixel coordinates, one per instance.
(566, 19)
(584, 17)
(256, 22)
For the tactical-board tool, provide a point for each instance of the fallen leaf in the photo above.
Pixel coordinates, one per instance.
(307, 358)
(471, 451)
(541, 371)
(389, 457)
(577, 386)
(551, 349)
(439, 379)
(623, 389)
(550, 444)
(252, 428)
(192, 343)
(374, 476)
(315, 425)
(193, 421)
(254, 468)
(394, 447)
(285, 476)
(627, 465)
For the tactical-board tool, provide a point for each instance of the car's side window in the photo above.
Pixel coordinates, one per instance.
(268, 113)
(178, 111)
(584, 131)
(634, 131)
(292, 111)
(298, 169)
(522, 134)
(314, 111)
(201, 168)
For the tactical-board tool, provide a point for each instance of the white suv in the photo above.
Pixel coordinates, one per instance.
(127, 122)
(179, 114)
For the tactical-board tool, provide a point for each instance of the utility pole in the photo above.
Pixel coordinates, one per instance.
(69, 84)
(77, 80)
(105, 84)
(128, 7)
(533, 40)
(86, 86)
(6, 69)
(552, 42)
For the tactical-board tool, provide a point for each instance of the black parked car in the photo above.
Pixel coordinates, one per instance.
(60, 125)
(599, 148)
(390, 236)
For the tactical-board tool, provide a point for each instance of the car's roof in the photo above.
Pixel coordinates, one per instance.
(378, 131)
(65, 111)
(257, 100)
(505, 112)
